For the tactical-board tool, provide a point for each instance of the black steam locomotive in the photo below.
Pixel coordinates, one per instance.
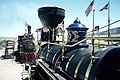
(26, 48)
(73, 60)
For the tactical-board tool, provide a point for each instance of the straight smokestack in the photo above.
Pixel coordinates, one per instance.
(29, 29)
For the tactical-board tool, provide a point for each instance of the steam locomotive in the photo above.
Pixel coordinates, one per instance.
(26, 48)
(73, 60)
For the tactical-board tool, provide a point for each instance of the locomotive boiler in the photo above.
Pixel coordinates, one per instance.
(73, 60)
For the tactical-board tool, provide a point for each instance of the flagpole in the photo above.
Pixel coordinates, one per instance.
(108, 20)
(90, 8)
(93, 18)
(93, 34)
(93, 14)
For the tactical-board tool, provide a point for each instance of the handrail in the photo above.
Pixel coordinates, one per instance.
(47, 71)
(103, 27)
(88, 38)
(76, 43)
(68, 45)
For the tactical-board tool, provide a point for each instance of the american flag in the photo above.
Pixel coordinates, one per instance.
(96, 28)
(61, 26)
(45, 29)
(90, 8)
(105, 7)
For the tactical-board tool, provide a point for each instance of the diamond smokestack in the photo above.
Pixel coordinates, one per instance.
(51, 16)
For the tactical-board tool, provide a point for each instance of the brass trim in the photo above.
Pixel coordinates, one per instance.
(48, 53)
(69, 62)
(47, 71)
(88, 70)
(76, 70)
(81, 60)
(54, 56)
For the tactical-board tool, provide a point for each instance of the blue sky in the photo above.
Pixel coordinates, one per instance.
(15, 13)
